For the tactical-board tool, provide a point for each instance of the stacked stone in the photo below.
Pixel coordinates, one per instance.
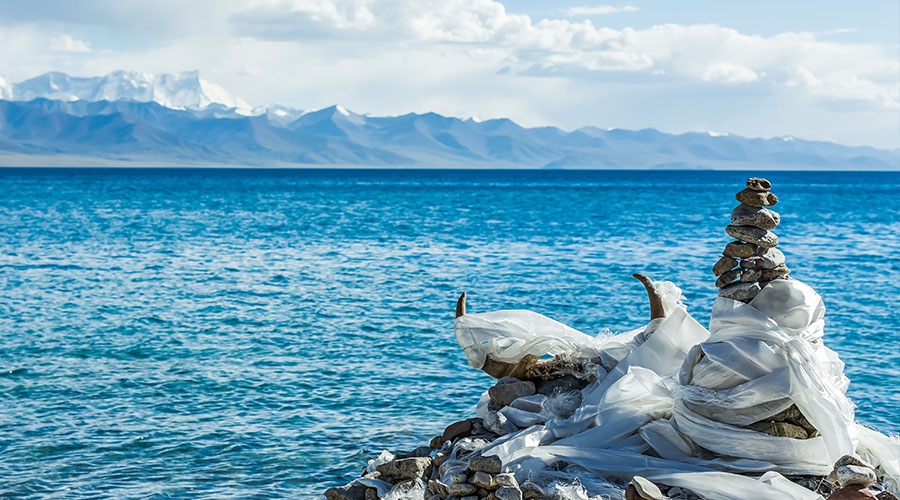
(751, 261)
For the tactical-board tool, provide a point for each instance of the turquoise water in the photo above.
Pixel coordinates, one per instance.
(262, 333)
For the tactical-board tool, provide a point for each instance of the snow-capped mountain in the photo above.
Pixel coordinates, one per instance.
(5, 89)
(182, 91)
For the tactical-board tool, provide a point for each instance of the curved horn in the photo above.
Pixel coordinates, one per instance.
(656, 306)
(461, 305)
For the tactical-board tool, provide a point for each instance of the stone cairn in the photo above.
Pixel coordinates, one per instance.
(751, 261)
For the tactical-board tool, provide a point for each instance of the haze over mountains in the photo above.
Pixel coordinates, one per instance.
(145, 119)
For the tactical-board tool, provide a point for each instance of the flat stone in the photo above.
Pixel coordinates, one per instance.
(750, 275)
(852, 493)
(461, 489)
(755, 235)
(642, 489)
(770, 274)
(728, 277)
(491, 464)
(406, 468)
(506, 479)
(457, 430)
(508, 493)
(769, 259)
(504, 394)
(723, 265)
(747, 215)
(756, 198)
(742, 292)
(482, 479)
(740, 249)
(758, 184)
(855, 475)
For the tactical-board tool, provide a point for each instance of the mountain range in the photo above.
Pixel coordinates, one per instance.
(143, 119)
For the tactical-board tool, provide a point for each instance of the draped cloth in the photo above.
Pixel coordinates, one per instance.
(672, 401)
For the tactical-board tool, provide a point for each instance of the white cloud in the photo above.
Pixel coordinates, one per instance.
(729, 73)
(598, 10)
(67, 43)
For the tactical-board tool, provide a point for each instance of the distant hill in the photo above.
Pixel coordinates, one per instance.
(127, 118)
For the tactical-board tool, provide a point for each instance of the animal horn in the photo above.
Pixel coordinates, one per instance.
(461, 305)
(656, 306)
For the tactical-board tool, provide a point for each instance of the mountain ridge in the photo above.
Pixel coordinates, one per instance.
(140, 118)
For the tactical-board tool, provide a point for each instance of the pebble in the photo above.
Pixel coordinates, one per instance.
(769, 259)
(855, 475)
(755, 235)
(770, 274)
(758, 184)
(740, 249)
(491, 464)
(728, 277)
(504, 394)
(746, 215)
(743, 292)
(508, 493)
(756, 198)
(723, 265)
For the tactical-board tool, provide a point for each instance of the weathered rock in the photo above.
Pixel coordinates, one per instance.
(461, 489)
(728, 277)
(855, 475)
(371, 494)
(504, 394)
(743, 292)
(750, 275)
(724, 265)
(436, 442)
(780, 429)
(506, 479)
(740, 249)
(437, 487)
(770, 274)
(491, 464)
(439, 459)
(561, 385)
(421, 451)
(405, 468)
(769, 259)
(755, 235)
(508, 493)
(499, 424)
(642, 489)
(852, 460)
(459, 478)
(482, 479)
(456, 430)
(746, 215)
(756, 198)
(758, 184)
(852, 493)
(352, 491)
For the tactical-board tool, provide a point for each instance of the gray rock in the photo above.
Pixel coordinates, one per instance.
(352, 491)
(439, 459)
(437, 487)
(769, 259)
(750, 275)
(459, 478)
(746, 215)
(853, 475)
(491, 464)
(504, 394)
(561, 385)
(728, 277)
(770, 274)
(499, 424)
(740, 249)
(853, 459)
(506, 479)
(405, 468)
(743, 292)
(758, 184)
(724, 265)
(461, 489)
(508, 493)
(755, 235)
(371, 494)
(470, 497)
(482, 479)
(756, 198)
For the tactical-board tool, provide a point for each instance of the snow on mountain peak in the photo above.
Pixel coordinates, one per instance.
(185, 90)
(5, 89)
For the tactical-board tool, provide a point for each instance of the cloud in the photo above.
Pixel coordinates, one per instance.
(598, 10)
(68, 43)
(729, 73)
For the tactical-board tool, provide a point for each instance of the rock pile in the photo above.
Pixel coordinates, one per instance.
(751, 261)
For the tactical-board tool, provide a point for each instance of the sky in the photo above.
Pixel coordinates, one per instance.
(819, 70)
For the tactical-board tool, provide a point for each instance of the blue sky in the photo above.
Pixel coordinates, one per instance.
(823, 70)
